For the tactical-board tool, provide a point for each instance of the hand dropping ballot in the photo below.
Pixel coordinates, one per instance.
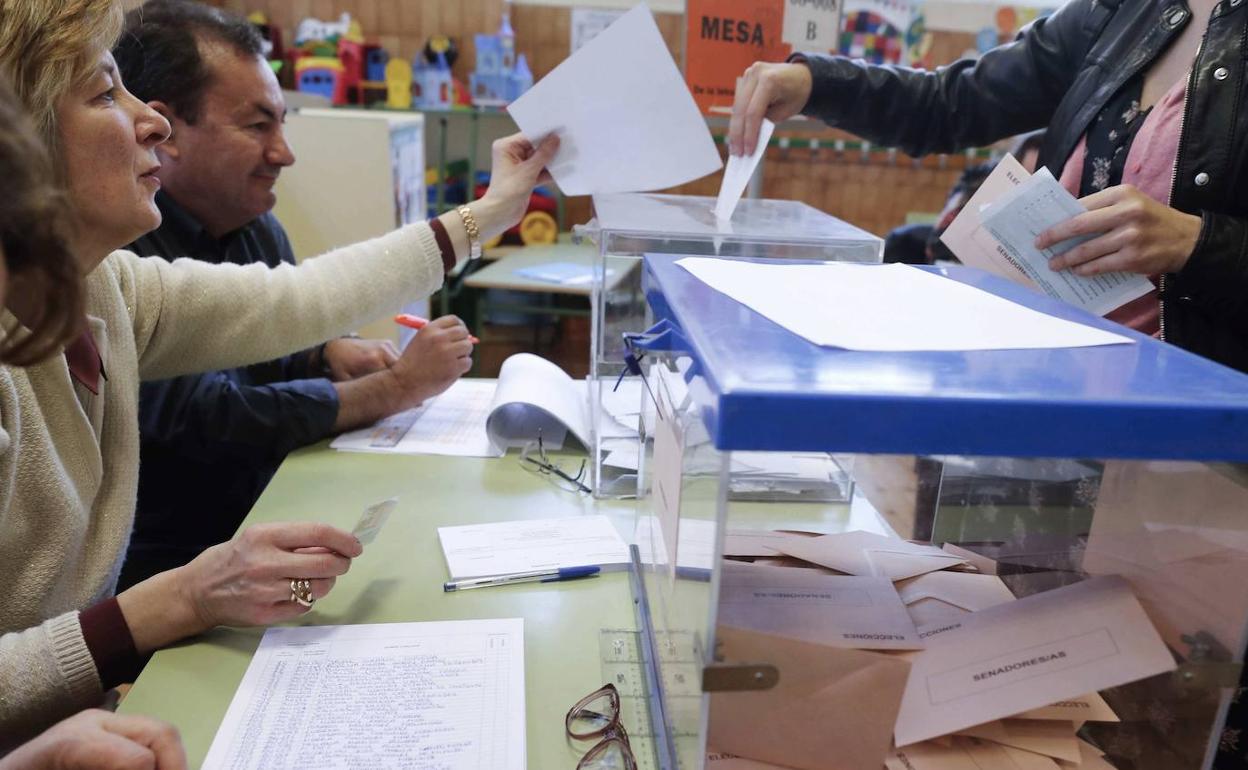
(373, 519)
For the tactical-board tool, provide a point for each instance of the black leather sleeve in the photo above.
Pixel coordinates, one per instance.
(1012, 89)
(1216, 275)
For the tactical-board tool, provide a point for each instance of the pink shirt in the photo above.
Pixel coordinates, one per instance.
(1150, 167)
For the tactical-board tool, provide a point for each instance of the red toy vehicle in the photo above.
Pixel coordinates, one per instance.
(538, 226)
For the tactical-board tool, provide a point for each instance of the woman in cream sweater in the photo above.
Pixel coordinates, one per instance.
(36, 261)
(69, 443)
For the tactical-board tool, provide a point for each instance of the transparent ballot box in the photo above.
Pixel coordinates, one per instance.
(1001, 558)
(628, 226)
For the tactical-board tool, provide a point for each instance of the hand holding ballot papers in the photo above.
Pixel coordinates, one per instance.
(1093, 253)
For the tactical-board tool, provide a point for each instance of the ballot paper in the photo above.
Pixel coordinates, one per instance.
(624, 116)
(966, 236)
(1027, 654)
(836, 610)
(1033, 207)
(869, 554)
(888, 307)
(738, 172)
(449, 694)
(528, 545)
(373, 519)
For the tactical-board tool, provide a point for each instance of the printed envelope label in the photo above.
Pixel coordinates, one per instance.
(1021, 665)
(837, 610)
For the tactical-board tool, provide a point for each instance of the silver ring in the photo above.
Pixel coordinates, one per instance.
(301, 592)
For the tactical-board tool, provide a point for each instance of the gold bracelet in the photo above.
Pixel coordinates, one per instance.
(473, 230)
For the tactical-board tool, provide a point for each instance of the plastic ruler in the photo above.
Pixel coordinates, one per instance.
(390, 431)
(622, 666)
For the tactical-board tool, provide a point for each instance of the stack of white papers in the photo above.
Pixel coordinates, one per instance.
(512, 547)
(888, 307)
(483, 418)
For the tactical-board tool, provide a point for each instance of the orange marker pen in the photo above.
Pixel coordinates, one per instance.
(416, 322)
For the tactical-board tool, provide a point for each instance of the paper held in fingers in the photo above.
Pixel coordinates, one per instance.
(373, 519)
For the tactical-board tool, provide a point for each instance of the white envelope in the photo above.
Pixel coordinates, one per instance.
(836, 610)
(1027, 654)
(940, 596)
(757, 542)
(981, 563)
(871, 555)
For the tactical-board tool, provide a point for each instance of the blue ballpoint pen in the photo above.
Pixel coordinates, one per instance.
(537, 576)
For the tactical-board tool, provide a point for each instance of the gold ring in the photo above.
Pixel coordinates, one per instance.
(301, 592)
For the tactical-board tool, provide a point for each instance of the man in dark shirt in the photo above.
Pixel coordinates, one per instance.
(211, 442)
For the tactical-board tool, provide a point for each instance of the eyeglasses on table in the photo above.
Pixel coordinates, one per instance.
(534, 458)
(597, 715)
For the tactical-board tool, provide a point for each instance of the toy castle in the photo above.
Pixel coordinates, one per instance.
(501, 75)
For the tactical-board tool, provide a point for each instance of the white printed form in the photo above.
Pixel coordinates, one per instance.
(510, 547)
(452, 423)
(1027, 654)
(448, 695)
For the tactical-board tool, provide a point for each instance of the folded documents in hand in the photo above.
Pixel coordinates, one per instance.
(997, 228)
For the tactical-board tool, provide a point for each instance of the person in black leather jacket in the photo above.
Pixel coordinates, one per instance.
(1061, 73)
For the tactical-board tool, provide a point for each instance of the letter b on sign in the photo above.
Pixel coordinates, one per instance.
(812, 31)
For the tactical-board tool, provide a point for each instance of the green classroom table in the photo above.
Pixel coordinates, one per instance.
(399, 578)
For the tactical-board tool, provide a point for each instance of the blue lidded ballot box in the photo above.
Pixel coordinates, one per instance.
(889, 558)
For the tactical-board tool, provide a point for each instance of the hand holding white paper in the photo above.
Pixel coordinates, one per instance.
(625, 118)
(737, 175)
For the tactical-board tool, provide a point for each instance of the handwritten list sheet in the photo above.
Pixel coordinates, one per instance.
(446, 694)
